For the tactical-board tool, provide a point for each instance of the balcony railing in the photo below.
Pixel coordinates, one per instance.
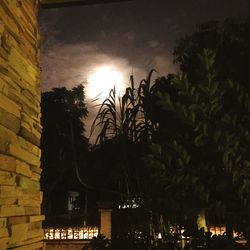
(71, 233)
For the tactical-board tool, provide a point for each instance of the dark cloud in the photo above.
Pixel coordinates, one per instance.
(71, 64)
(130, 30)
(132, 36)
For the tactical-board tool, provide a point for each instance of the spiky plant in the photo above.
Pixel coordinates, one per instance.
(127, 115)
(125, 121)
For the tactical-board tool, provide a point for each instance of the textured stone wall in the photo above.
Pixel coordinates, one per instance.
(20, 196)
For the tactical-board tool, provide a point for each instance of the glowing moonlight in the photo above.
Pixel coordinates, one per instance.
(102, 81)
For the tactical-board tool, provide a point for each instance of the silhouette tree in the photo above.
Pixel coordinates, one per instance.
(199, 138)
(64, 146)
(125, 131)
(228, 39)
(204, 162)
(125, 127)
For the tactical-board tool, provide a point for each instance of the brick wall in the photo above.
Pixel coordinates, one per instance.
(20, 196)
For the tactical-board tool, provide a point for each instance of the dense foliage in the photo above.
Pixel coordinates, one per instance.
(124, 132)
(228, 39)
(166, 150)
(204, 162)
(63, 143)
(194, 156)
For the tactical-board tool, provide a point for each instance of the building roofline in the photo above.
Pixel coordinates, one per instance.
(47, 4)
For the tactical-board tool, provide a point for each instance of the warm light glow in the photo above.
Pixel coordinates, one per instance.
(217, 230)
(102, 81)
(82, 233)
(159, 236)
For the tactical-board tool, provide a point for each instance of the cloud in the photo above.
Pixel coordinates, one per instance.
(129, 36)
(163, 65)
(71, 64)
(153, 44)
(48, 27)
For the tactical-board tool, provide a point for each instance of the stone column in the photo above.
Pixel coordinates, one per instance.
(20, 129)
(105, 226)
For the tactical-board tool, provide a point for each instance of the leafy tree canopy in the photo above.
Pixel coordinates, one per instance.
(63, 141)
(204, 162)
(230, 40)
(200, 153)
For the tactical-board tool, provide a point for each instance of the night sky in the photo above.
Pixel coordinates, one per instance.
(131, 36)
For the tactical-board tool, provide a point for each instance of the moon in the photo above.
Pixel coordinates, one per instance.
(102, 80)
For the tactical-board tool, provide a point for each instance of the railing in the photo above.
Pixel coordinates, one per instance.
(71, 233)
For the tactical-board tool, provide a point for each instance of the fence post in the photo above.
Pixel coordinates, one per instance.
(106, 219)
